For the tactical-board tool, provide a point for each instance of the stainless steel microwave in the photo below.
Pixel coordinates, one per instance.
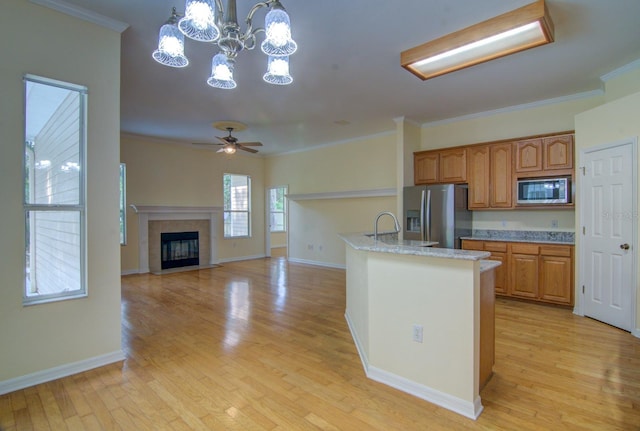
(547, 191)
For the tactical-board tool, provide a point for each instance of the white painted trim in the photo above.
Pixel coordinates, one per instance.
(83, 14)
(241, 258)
(359, 348)
(620, 71)
(350, 194)
(316, 263)
(465, 408)
(515, 108)
(65, 370)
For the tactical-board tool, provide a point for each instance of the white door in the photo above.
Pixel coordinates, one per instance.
(608, 215)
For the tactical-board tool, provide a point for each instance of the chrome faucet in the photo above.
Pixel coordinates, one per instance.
(375, 227)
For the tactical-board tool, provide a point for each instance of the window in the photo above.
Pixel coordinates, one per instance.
(54, 190)
(237, 205)
(278, 209)
(123, 204)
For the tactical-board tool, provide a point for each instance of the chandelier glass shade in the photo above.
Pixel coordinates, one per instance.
(209, 21)
(170, 50)
(278, 71)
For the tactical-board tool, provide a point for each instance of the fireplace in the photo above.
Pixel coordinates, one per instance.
(179, 249)
(153, 220)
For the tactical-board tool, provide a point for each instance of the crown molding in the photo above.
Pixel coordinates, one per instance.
(83, 14)
(620, 71)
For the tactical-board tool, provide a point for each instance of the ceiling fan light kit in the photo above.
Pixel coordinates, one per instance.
(209, 21)
(511, 32)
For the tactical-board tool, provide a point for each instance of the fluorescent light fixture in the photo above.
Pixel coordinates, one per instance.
(515, 31)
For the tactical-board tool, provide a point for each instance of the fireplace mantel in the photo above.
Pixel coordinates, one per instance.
(147, 213)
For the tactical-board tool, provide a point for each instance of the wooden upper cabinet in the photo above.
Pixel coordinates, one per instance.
(558, 152)
(425, 168)
(501, 189)
(442, 166)
(453, 165)
(544, 156)
(479, 164)
(528, 155)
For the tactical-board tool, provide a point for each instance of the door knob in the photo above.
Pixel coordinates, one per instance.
(624, 246)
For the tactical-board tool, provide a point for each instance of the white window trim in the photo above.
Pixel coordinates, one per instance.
(247, 211)
(80, 207)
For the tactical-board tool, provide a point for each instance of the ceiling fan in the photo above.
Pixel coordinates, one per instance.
(230, 143)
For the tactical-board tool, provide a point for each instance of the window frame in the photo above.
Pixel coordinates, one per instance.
(34, 208)
(227, 212)
(283, 212)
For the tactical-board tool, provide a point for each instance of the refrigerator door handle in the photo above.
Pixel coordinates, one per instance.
(423, 206)
(427, 218)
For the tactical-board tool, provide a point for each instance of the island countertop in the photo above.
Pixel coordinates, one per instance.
(389, 243)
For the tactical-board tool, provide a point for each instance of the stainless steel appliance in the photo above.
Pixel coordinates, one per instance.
(544, 191)
(437, 213)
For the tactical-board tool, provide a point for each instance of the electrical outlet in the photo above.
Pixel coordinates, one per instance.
(504, 223)
(310, 247)
(554, 223)
(417, 333)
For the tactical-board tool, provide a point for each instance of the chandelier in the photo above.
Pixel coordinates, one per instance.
(208, 21)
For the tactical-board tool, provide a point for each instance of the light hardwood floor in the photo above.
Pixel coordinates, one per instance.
(263, 345)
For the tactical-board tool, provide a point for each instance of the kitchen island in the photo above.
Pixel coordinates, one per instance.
(422, 318)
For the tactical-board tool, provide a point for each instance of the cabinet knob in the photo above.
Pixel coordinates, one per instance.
(624, 246)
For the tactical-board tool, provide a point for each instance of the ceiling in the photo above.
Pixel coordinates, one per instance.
(348, 81)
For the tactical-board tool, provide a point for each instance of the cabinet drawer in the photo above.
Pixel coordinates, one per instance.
(519, 248)
(495, 246)
(472, 245)
(555, 250)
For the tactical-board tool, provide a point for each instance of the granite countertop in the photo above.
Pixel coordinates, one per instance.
(389, 243)
(543, 237)
(486, 265)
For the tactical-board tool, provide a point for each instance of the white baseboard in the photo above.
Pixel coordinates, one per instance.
(316, 263)
(465, 408)
(240, 258)
(455, 404)
(44, 376)
(130, 272)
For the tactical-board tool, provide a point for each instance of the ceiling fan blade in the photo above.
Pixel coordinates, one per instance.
(207, 144)
(241, 147)
(223, 140)
(250, 144)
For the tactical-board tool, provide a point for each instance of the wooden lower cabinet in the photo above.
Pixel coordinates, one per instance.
(532, 271)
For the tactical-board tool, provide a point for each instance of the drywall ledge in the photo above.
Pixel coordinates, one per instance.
(350, 194)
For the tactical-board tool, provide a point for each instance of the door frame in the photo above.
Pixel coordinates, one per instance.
(583, 208)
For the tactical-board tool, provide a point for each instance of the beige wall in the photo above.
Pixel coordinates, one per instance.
(612, 122)
(168, 174)
(39, 338)
(314, 224)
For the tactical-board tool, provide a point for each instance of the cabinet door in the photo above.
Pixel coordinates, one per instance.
(501, 176)
(529, 155)
(425, 168)
(524, 275)
(555, 283)
(453, 166)
(558, 152)
(501, 280)
(478, 176)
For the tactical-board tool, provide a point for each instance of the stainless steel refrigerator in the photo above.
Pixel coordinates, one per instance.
(437, 213)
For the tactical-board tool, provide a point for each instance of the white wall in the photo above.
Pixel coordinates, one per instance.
(84, 332)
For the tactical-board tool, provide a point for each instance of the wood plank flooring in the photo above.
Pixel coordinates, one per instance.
(263, 345)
